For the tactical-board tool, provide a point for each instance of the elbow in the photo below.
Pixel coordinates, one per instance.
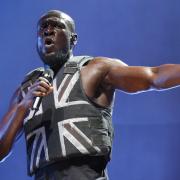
(154, 80)
(3, 157)
(157, 85)
(4, 151)
(159, 80)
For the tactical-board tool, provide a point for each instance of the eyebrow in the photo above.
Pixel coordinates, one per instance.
(52, 19)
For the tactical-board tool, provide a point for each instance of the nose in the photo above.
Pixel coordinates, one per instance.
(49, 31)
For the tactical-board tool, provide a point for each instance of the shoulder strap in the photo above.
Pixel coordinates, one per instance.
(82, 60)
(34, 74)
(76, 63)
(31, 77)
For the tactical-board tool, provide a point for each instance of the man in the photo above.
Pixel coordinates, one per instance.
(70, 135)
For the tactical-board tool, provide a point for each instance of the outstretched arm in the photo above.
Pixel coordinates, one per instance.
(133, 79)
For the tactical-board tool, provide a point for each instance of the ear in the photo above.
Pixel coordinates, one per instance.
(73, 39)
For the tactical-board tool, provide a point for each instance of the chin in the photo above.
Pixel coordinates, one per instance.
(54, 60)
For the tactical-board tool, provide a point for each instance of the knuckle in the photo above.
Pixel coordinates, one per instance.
(43, 94)
(34, 93)
(41, 82)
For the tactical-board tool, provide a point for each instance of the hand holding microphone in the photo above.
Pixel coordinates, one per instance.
(36, 85)
(42, 87)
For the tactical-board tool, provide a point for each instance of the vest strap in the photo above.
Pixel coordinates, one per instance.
(70, 68)
(76, 63)
(100, 139)
(95, 123)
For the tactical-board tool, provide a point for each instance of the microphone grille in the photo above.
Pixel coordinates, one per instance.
(48, 74)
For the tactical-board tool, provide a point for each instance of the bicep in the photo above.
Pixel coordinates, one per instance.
(131, 79)
(6, 120)
(11, 109)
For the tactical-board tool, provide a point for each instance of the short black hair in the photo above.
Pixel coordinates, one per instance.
(69, 21)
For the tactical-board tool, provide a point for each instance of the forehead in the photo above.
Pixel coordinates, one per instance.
(51, 17)
(55, 16)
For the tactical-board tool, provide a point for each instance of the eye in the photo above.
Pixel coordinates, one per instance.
(59, 25)
(44, 25)
(53, 23)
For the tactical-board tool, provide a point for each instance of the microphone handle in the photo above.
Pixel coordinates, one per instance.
(36, 103)
(48, 77)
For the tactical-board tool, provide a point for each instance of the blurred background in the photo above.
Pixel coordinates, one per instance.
(139, 32)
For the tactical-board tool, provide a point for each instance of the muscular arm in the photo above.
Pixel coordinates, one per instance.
(11, 124)
(133, 79)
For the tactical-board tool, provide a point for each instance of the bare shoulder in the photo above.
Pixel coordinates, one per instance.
(96, 73)
(105, 64)
(95, 82)
(107, 61)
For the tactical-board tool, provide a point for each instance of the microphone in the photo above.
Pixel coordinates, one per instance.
(48, 77)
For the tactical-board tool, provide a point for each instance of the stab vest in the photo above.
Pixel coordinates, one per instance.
(67, 124)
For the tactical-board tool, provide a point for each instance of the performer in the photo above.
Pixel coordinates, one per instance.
(70, 136)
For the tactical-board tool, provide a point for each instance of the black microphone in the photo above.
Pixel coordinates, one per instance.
(47, 75)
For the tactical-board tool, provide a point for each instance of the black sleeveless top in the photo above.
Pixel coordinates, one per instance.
(67, 123)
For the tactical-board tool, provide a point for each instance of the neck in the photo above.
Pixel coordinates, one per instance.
(56, 68)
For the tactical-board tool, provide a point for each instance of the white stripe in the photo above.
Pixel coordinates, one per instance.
(69, 87)
(85, 137)
(43, 145)
(61, 135)
(63, 101)
(61, 85)
(73, 103)
(33, 148)
(63, 132)
(75, 142)
(31, 113)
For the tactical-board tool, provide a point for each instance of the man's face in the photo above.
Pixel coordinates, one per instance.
(54, 40)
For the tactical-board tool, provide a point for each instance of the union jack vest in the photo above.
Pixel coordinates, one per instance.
(67, 124)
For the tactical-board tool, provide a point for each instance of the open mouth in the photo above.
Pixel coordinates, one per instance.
(49, 45)
(49, 42)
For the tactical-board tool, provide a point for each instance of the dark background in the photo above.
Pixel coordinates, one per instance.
(139, 32)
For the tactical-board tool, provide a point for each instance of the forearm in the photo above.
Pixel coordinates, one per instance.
(10, 125)
(166, 76)
(12, 122)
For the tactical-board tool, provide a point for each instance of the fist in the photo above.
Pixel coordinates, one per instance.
(40, 88)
